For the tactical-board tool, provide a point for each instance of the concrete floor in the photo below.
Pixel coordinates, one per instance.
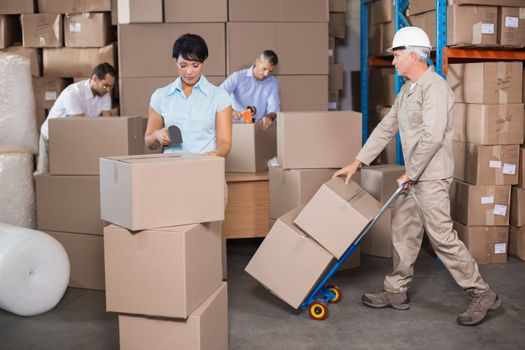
(258, 320)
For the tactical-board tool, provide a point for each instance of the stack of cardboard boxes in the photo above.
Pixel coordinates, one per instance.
(163, 250)
(68, 198)
(488, 131)
(337, 32)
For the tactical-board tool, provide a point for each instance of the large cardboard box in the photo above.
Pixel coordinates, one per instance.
(15, 7)
(511, 26)
(10, 30)
(33, 54)
(292, 188)
(472, 25)
(139, 11)
(74, 151)
(142, 192)
(479, 205)
(87, 29)
(486, 165)
(288, 262)
(420, 6)
(245, 40)
(337, 25)
(336, 76)
(165, 272)
(86, 258)
(252, 148)
(381, 11)
(76, 62)
(489, 124)
(486, 82)
(179, 11)
(383, 81)
(145, 49)
(278, 11)
(517, 207)
(521, 170)
(317, 139)
(68, 204)
(205, 329)
(488, 245)
(337, 214)
(303, 92)
(73, 6)
(42, 30)
(517, 242)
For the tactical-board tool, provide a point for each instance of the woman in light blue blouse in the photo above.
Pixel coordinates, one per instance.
(201, 110)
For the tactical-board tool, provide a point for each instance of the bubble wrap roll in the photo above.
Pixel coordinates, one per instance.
(34, 271)
(17, 105)
(17, 190)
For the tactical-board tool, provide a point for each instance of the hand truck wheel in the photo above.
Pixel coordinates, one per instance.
(338, 295)
(318, 310)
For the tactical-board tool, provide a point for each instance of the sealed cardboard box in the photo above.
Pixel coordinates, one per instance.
(511, 26)
(42, 30)
(472, 25)
(86, 258)
(517, 207)
(486, 82)
(420, 6)
(278, 11)
(73, 6)
(336, 76)
(138, 11)
(252, 148)
(87, 29)
(488, 245)
(68, 204)
(317, 139)
(479, 205)
(517, 242)
(337, 214)
(72, 150)
(134, 193)
(76, 62)
(292, 188)
(381, 11)
(15, 7)
(337, 5)
(521, 170)
(165, 272)
(488, 124)
(178, 11)
(10, 30)
(486, 165)
(380, 180)
(245, 40)
(337, 25)
(303, 92)
(145, 49)
(384, 91)
(33, 54)
(205, 329)
(288, 262)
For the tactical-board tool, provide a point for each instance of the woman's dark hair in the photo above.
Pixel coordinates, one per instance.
(191, 47)
(102, 69)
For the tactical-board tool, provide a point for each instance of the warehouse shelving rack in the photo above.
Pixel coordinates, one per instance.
(442, 54)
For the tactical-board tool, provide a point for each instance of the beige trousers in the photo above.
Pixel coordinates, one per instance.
(43, 156)
(425, 207)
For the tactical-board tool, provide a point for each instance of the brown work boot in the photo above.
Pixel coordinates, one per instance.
(480, 305)
(382, 299)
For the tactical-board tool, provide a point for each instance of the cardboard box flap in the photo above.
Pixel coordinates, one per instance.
(153, 158)
(356, 196)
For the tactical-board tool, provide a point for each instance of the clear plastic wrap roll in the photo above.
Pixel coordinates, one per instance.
(17, 189)
(17, 105)
(34, 271)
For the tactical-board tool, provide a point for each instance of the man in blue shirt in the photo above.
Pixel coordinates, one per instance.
(255, 86)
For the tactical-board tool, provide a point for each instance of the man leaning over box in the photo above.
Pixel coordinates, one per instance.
(86, 98)
(422, 113)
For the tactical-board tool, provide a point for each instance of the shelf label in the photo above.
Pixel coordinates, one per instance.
(500, 210)
(487, 28)
(512, 22)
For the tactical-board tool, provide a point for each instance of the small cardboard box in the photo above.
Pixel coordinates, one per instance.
(77, 143)
(337, 25)
(73, 6)
(68, 204)
(138, 11)
(487, 244)
(15, 7)
(252, 148)
(479, 205)
(381, 11)
(511, 26)
(517, 207)
(10, 30)
(486, 165)
(517, 241)
(46, 92)
(205, 329)
(42, 30)
(288, 262)
(87, 29)
(500, 124)
(152, 191)
(86, 258)
(337, 214)
(472, 25)
(165, 272)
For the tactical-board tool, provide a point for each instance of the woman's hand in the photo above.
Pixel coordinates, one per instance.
(162, 136)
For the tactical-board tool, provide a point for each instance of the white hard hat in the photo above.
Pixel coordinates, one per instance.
(409, 36)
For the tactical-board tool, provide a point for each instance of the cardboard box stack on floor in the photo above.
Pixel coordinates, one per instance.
(163, 250)
(68, 198)
(488, 132)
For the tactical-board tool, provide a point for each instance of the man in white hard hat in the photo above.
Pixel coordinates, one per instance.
(422, 113)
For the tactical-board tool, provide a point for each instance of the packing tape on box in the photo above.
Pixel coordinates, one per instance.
(503, 120)
(503, 81)
(489, 216)
(497, 153)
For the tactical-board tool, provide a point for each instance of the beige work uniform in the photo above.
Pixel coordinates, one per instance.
(422, 114)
